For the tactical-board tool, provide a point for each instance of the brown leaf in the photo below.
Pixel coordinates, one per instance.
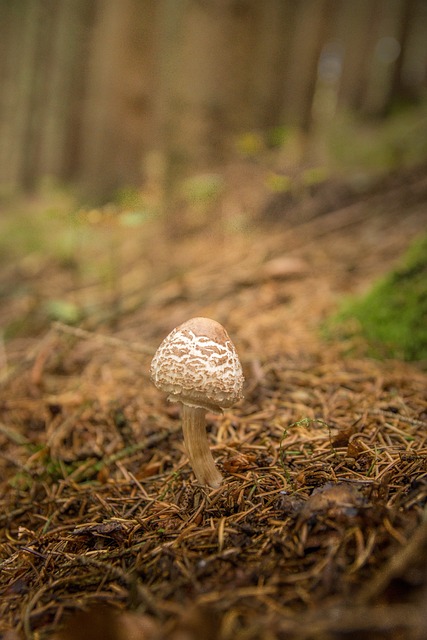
(355, 448)
(334, 499)
(284, 267)
(239, 463)
(342, 438)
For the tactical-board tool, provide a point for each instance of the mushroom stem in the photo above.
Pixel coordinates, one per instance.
(197, 446)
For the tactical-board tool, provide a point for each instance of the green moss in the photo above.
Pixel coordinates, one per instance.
(392, 316)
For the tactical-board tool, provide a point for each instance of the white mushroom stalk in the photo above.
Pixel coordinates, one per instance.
(197, 365)
(197, 446)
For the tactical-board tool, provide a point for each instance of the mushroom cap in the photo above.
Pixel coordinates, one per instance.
(197, 364)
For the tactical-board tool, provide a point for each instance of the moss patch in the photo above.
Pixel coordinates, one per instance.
(392, 316)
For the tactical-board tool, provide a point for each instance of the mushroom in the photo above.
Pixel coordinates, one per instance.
(197, 365)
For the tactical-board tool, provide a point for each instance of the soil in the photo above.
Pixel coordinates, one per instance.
(319, 528)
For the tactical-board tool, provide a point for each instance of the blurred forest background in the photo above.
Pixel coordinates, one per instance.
(193, 115)
(106, 94)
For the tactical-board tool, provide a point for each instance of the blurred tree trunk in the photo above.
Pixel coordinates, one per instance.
(204, 81)
(358, 33)
(168, 35)
(60, 125)
(43, 57)
(272, 60)
(115, 102)
(401, 90)
(415, 63)
(240, 22)
(207, 75)
(19, 36)
(385, 57)
(311, 30)
(397, 89)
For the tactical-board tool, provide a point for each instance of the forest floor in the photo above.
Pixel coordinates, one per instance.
(319, 529)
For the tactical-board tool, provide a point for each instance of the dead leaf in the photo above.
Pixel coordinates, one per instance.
(333, 499)
(239, 463)
(284, 268)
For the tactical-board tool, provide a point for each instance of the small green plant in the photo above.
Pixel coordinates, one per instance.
(202, 189)
(392, 317)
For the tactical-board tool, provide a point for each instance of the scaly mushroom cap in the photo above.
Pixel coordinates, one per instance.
(197, 364)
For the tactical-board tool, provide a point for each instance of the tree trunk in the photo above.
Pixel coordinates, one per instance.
(359, 35)
(20, 32)
(401, 89)
(115, 105)
(311, 30)
(385, 55)
(272, 60)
